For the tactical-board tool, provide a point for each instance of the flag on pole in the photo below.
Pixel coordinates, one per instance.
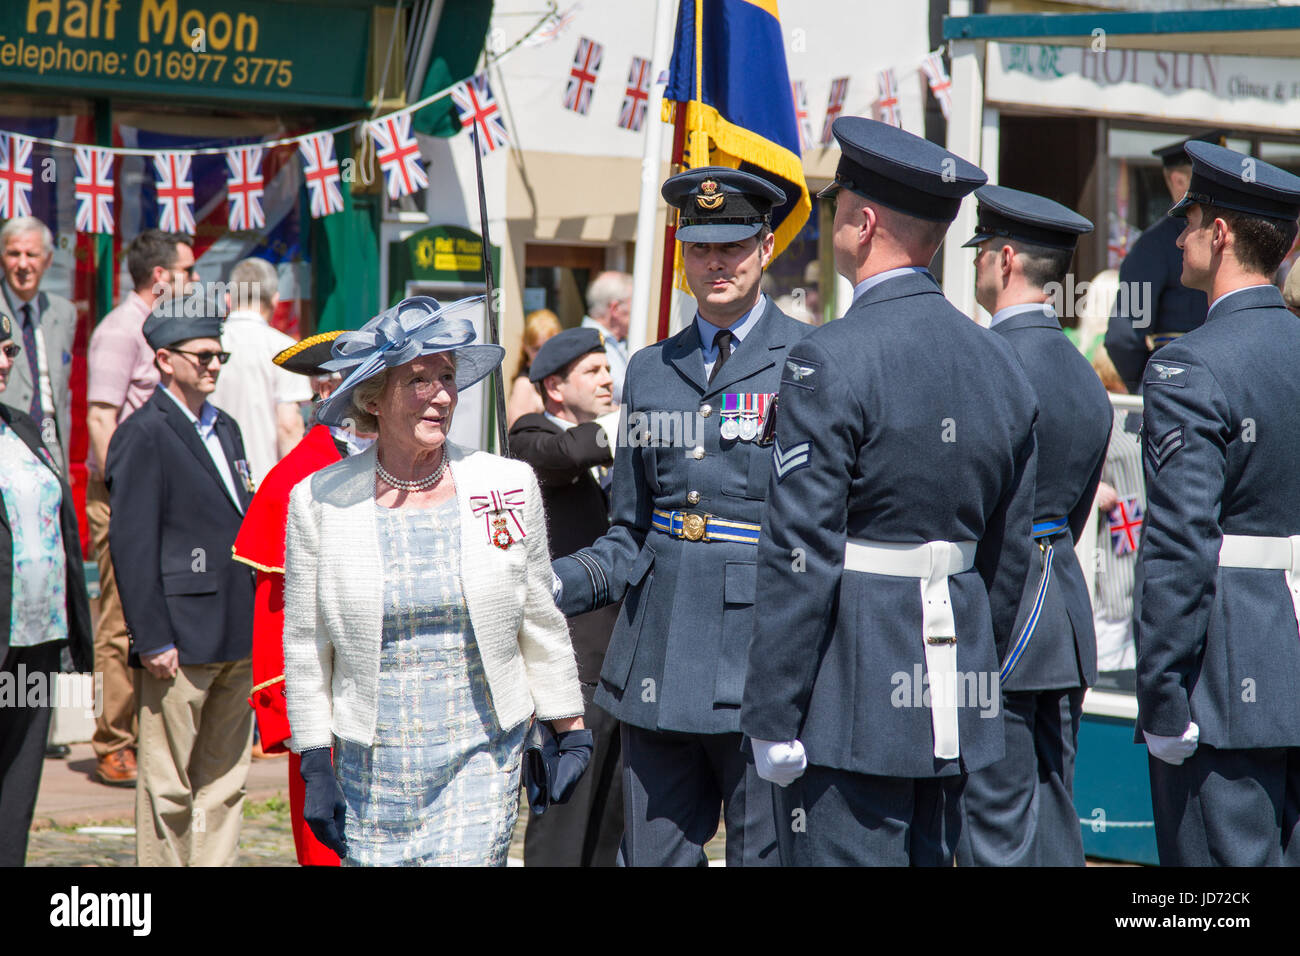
(582, 76)
(743, 118)
(940, 84)
(887, 103)
(244, 189)
(834, 107)
(175, 192)
(801, 114)
(94, 189)
(636, 96)
(321, 170)
(398, 154)
(16, 176)
(479, 113)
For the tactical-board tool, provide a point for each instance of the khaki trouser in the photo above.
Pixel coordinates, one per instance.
(196, 739)
(115, 727)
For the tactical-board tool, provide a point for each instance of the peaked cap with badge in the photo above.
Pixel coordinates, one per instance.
(1219, 642)
(719, 204)
(1026, 217)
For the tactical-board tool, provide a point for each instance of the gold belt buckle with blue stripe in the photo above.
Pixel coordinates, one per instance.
(697, 526)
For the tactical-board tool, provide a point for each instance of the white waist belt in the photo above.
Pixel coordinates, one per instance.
(1266, 554)
(933, 563)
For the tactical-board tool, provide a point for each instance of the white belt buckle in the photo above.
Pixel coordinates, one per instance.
(940, 629)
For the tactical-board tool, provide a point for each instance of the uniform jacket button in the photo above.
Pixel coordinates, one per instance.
(698, 453)
(693, 498)
(706, 411)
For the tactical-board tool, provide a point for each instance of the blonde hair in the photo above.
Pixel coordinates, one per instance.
(539, 326)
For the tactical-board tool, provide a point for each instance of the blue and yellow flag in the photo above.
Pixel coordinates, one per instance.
(729, 74)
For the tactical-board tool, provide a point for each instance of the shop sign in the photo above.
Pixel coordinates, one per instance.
(310, 54)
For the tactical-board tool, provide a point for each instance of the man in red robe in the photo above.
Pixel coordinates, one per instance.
(260, 544)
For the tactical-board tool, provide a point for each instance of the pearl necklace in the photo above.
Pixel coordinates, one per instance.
(421, 484)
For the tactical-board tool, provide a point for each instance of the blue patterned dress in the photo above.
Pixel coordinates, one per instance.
(440, 785)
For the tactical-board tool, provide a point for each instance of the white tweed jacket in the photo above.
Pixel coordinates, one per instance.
(333, 601)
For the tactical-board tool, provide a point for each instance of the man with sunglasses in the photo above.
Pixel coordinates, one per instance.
(178, 486)
(121, 377)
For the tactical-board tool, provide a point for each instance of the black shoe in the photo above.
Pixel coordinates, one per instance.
(57, 751)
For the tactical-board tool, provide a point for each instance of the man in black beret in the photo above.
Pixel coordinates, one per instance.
(571, 451)
(178, 487)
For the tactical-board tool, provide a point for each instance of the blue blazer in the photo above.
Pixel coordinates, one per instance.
(1073, 433)
(676, 660)
(1220, 646)
(171, 531)
(918, 426)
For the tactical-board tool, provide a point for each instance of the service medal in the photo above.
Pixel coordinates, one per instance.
(501, 534)
(729, 428)
(749, 418)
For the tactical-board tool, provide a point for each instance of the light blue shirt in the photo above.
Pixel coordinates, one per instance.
(1003, 314)
(206, 425)
(1215, 304)
(738, 329)
(870, 282)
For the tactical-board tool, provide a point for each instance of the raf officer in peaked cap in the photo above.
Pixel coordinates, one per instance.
(1020, 810)
(1154, 307)
(897, 539)
(690, 480)
(1218, 657)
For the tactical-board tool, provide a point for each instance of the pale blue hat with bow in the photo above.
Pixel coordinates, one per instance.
(414, 327)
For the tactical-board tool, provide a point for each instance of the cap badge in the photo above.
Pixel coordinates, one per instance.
(709, 198)
(4, 324)
(602, 338)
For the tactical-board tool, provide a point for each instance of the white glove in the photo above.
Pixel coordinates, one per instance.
(1174, 750)
(781, 762)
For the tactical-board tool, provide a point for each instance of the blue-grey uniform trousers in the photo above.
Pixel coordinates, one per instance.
(834, 817)
(1020, 811)
(1228, 808)
(675, 786)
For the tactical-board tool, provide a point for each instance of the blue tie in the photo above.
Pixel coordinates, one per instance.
(29, 346)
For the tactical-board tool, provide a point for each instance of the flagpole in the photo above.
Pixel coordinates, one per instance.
(490, 286)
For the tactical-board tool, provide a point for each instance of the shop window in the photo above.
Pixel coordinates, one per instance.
(556, 278)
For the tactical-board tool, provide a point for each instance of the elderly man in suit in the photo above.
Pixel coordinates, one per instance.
(690, 479)
(179, 485)
(1020, 810)
(571, 452)
(897, 540)
(45, 326)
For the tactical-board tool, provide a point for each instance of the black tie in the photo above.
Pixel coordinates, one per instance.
(29, 346)
(722, 342)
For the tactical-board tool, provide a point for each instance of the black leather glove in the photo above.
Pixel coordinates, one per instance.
(323, 807)
(553, 764)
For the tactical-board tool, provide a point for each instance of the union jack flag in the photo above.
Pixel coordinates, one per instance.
(244, 189)
(834, 107)
(801, 114)
(321, 170)
(1125, 524)
(940, 84)
(887, 104)
(582, 76)
(479, 113)
(175, 192)
(636, 96)
(399, 155)
(94, 189)
(555, 24)
(15, 176)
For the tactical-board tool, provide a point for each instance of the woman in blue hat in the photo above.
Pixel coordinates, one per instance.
(420, 634)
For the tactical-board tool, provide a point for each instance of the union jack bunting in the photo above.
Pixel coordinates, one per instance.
(887, 104)
(15, 176)
(801, 114)
(321, 171)
(940, 84)
(582, 76)
(244, 189)
(1125, 525)
(636, 96)
(834, 107)
(94, 189)
(479, 113)
(175, 192)
(399, 155)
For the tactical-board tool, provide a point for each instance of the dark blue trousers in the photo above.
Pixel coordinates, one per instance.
(1228, 808)
(1020, 810)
